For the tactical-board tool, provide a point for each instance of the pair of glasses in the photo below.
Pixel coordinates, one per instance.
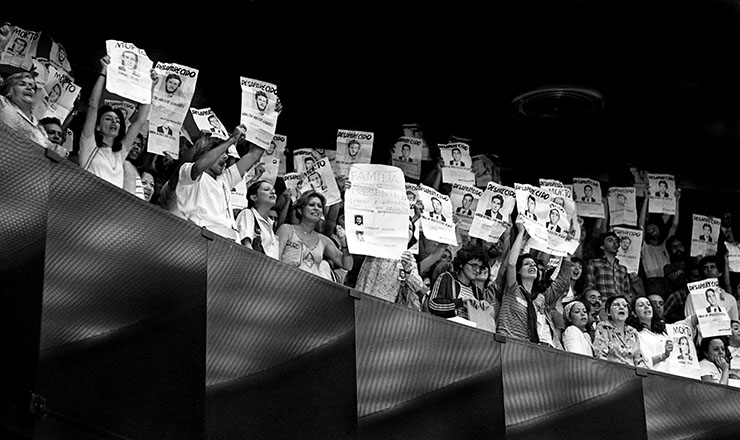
(475, 267)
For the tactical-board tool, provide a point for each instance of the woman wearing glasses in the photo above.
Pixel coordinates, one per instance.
(616, 340)
(452, 289)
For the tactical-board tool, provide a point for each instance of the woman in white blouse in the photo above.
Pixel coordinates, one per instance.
(575, 338)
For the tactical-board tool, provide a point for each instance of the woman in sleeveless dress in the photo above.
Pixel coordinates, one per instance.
(302, 246)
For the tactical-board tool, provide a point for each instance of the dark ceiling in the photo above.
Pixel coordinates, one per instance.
(667, 71)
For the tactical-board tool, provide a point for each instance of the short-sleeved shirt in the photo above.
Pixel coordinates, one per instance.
(102, 161)
(14, 120)
(206, 201)
(245, 225)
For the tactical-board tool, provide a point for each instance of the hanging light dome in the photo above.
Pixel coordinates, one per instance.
(557, 103)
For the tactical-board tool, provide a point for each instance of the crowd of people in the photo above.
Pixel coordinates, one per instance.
(585, 303)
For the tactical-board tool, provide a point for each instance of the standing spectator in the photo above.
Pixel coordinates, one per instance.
(654, 254)
(204, 185)
(105, 142)
(605, 274)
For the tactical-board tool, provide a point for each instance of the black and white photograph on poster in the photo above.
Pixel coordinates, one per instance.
(304, 158)
(352, 147)
(533, 206)
(128, 74)
(376, 211)
(20, 48)
(436, 219)
(713, 318)
(704, 235)
(662, 194)
(414, 130)
(412, 195)
(406, 155)
(206, 120)
(294, 185)
(170, 104)
(464, 200)
(320, 178)
(683, 359)
(456, 163)
(587, 194)
(258, 111)
(57, 96)
(622, 206)
(493, 213)
(630, 246)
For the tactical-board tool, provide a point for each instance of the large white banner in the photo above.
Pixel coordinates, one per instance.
(353, 147)
(662, 190)
(376, 211)
(713, 318)
(457, 164)
(258, 111)
(128, 72)
(407, 156)
(170, 103)
(622, 206)
(436, 218)
(704, 235)
(493, 213)
(587, 194)
(464, 200)
(630, 245)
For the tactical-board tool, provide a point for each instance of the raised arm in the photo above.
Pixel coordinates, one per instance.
(516, 248)
(253, 155)
(91, 118)
(209, 158)
(142, 115)
(674, 224)
(643, 212)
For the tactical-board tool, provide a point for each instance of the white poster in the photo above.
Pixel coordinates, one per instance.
(407, 156)
(412, 195)
(294, 185)
(557, 227)
(129, 72)
(464, 200)
(662, 189)
(436, 218)
(562, 195)
(457, 164)
(533, 206)
(21, 48)
(587, 194)
(206, 120)
(622, 206)
(415, 131)
(683, 360)
(630, 245)
(713, 318)
(320, 177)
(493, 213)
(58, 58)
(353, 147)
(305, 158)
(170, 103)
(376, 211)
(704, 235)
(258, 111)
(57, 97)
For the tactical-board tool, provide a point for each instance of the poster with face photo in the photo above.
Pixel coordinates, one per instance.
(713, 319)
(630, 246)
(57, 96)
(353, 147)
(704, 235)
(258, 112)
(587, 194)
(206, 120)
(407, 156)
(493, 212)
(412, 195)
(556, 228)
(662, 194)
(304, 158)
(294, 185)
(415, 131)
(58, 58)
(622, 206)
(464, 200)
(20, 49)
(320, 178)
(436, 219)
(128, 74)
(456, 163)
(533, 206)
(563, 195)
(683, 359)
(170, 103)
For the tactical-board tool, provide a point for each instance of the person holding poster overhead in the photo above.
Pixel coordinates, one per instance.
(606, 274)
(709, 268)
(654, 254)
(105, 142)
(301, 246)
(715, 365)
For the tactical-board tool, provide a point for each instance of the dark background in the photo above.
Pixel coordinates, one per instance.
(667, 71)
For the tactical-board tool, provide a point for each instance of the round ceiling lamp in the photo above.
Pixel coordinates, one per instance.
(557, 103)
